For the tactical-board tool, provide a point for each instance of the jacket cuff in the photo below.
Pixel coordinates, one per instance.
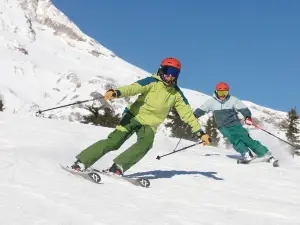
(199, 131)
(118, 93)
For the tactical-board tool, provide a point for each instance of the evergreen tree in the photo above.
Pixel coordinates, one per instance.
(292, 132)
(178, 127)
(107, 119)
(1, 104)
(211, 130)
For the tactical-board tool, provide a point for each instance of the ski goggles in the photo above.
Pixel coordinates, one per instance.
(222, 93)
(169, 70)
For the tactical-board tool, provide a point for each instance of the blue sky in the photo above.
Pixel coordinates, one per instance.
(254, 46)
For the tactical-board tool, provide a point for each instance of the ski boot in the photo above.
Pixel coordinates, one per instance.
(247, 158)
(116, 170)
(272, 160)
(78, 166)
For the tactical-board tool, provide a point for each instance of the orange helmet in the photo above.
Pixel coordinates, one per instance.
(222, 86)
(171, 62)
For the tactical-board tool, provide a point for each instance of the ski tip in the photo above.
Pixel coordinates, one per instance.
(62, 166)
(276, 163)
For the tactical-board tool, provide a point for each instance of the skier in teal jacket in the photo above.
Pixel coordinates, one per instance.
(225, 107)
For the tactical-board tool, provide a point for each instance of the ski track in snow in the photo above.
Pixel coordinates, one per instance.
(190, 187)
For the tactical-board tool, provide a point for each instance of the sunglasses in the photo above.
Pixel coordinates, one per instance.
(222, 93)
(169, 70)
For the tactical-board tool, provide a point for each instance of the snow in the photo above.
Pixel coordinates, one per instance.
(64, 65)
(46, 61)
(189, 187)
(58, 68)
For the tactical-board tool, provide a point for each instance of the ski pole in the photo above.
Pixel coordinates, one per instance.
(75, 103)
(180, 138)
(159, 157)
(274, 135)
(177, 144)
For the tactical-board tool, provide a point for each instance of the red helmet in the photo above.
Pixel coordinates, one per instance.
(171, 62)
(222, 86)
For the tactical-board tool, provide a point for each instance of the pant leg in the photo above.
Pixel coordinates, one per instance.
(138, 150)
(259, 149)
(97, 150)
(242, 141)
(234, 138)
(128, 125)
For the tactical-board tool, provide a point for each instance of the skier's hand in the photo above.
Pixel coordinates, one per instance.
(248, 121)
(205, 138)
(110, 94)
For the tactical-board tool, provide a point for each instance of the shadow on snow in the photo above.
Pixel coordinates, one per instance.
(158, 174)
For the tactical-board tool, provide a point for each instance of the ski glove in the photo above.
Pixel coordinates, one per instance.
(205, 138)
(248, 121)
(110, 94)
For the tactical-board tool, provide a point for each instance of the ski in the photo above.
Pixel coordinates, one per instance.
(92, 176)
(241, 161)
(141, 182)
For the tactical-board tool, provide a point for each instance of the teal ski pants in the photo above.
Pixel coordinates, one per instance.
(127, 126)
(239, 137)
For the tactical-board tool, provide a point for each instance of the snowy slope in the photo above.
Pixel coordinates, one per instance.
(47, 61)
(63, 65)
(191, 187)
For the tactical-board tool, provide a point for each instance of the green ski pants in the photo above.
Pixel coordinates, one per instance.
(128, 125)
(239, 137)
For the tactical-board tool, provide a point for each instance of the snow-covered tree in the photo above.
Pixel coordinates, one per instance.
(101, 116)
(292, 132)
(178, 127)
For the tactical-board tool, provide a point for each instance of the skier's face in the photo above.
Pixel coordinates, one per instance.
(169, 74)
(222, 94)
(169, 79)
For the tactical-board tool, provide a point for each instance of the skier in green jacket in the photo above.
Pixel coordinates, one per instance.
(224, 108)
(158, 94)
